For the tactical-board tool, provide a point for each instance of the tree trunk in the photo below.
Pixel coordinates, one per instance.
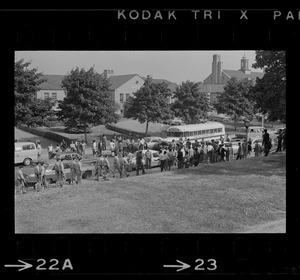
(235, 123)
(147, 124)
(85, 135)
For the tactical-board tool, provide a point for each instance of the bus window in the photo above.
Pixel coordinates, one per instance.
(215, 130)
(207, 131)
(211, 131)
(178, 134)
(219, 129)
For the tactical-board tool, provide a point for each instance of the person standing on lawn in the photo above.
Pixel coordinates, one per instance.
(43, 176)
(37, 172)
(279, 141)
(245, 148)
(59, 171)
(171, 158)
(129, 159)
(73, 171)
(117, 166)
(100, 168)
(39, 150)
(284, 139)
(227, 153)
(249, 147)
(180, 159)
(139, 163)
(50, 151)
(148, 156)
(107, 166)
(123, 164)
(239, 152)
(222, 153)
(94, 148)
(256, 149)
(125, 147)
(266, 142)
(21, 179)
(104, 139)
(112, 147)
(78, 167)
(99, 147)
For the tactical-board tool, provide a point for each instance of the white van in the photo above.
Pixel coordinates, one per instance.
(25, 152)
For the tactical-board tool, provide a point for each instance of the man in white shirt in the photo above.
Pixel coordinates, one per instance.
(210, 152)
(94, 147)
(50, 150)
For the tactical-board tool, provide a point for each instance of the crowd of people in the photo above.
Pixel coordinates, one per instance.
(183, 154)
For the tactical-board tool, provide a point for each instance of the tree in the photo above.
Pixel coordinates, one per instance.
(235, 100)
(88, 101)
(269, 92)
(29, 110)
(191, 105)
(149, 103)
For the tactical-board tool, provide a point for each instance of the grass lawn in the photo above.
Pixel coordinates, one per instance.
(240, 196)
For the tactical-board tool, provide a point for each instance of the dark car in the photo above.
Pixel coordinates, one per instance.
(162, 145)
(87, 171)
(77, 129)
(65, 155)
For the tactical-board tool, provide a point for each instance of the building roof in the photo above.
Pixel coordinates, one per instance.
(171, 86)
(241, 75)
(212, 88)
(118, 80)
(53, 82)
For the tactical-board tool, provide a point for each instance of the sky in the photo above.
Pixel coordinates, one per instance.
(174, 66)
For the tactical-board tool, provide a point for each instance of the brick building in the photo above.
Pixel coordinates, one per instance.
(121, 86)
(214, 84)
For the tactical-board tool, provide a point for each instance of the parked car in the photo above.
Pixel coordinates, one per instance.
(65, 155)
(87, 171)
(163, 145)
(155, 159)
(25, 152)
(151, 141)
(77, 129)
(175, 122)
(259, 141)
(234, 146)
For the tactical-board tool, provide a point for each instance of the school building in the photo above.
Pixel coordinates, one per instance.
(214, 84)
(121, 87)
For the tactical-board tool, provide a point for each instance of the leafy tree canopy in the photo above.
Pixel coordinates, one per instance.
(88, 100)
(149, 104)
(191, 105)
(269, 92)
(235, 100)
(29, 110)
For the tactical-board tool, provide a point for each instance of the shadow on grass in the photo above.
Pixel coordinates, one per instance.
(266, 166)
(57, 129)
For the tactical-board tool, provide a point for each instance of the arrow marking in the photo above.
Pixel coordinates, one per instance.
(181, 267)
(23, 266)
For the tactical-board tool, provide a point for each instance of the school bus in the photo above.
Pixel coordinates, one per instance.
(204, 132)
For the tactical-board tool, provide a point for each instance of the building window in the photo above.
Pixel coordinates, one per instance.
(46, 95)
(127, 95)
(136, 82)
(54, 96)
(121, 97)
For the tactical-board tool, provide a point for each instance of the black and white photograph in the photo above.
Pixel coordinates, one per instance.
(150, 141)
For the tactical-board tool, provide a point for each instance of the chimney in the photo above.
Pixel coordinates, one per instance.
(219, 72)
(149, 76)
(108, 73)
(216, 59)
